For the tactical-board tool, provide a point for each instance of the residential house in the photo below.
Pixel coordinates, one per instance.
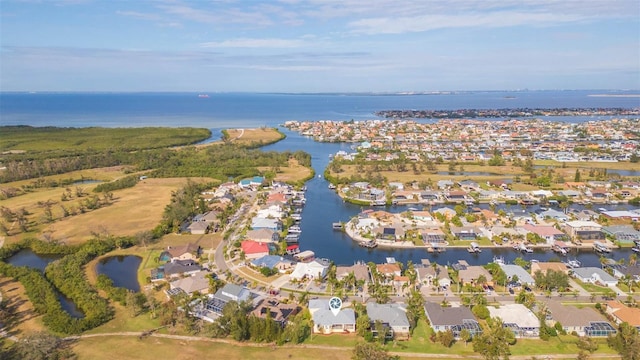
(584, 230)
(549, 233)
(273, 262)
(584, 321)
(254, 182)
(456, 196)
(359, 270)
(263, 235)
(434, 236)
(258, 223)
(594, 275)
(388, 271)
(469, 233)
(622, 313)
(174, 269)
(198, 228)
(515, 271)
(279, 312)
(197, 282)
(253, 249)
(622, 233)
(389, 233)
(517, 318)
(551, 214)
(543, 267)
(448, 213)
(427, 274)
(316, 269)
(392, 316)
(469, 275)
(325, 322)
(621, 270)
(183, 252)
(451, 318)
(229, 292)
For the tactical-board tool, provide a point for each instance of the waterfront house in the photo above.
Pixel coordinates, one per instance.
(182, 252)
(468, 233)
(451, 318)
(585, 321)
(427, 274)
(359, 270)
(447, 212)
(316, 269)
(517, 318)
(389, 233)
(325, 322)
(174, 269)
(433, 236)
(594, 275)
(549, 233)
(456, 196)
(622, 215)
(273, 262)
(551, 214)
(468, 274)
(584, 230)
(622, 313)
(263, 235)
(254, 249)
(515, 271)
(543, 267)
(392, 316)
(388, 271)
(622, 233)
(258, 223)
(279, 312)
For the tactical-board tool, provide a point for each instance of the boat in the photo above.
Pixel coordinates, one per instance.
(368, 244)
(331, 186)
(336, 226)
(498, 260)
(203, 96)
(474, 248)
(573, 263)
(295, 230)
(600, 247)
(636, 249)
(559, 249)
(522, 248)
(296, 216)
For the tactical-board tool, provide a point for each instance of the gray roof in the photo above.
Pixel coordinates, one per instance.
(180, 267)
(523, 276)
(587, 272)
(572, 316)
(233, 292)
(447, 316)
(392, 314)
(325, 317)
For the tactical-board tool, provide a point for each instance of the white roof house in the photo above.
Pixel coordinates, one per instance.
(523, 276)
(312, 270)
(517, 317)
(594, 275)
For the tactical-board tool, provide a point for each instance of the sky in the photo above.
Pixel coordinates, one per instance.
(318, 45)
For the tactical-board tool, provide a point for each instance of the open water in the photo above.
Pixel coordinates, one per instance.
(220, 111)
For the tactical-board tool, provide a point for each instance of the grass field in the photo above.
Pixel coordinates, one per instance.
(249, 136)
(23, 319)
(294, 172)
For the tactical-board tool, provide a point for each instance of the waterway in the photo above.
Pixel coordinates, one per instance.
(30, 259)
(324, 207)
(122, 270)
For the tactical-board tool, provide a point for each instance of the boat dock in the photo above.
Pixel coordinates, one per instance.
(336, 226)
(368, 244)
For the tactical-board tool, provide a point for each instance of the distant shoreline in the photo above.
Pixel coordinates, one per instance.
(616, 95)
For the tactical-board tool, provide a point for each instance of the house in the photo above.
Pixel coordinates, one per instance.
(198, 228)
(584, 321)
(622, 313)
(254, 182)
(273, 262)
(258, 223)
(316, 269)
(184, 252)
(584, 230)
(456, 196)
(451, 318)
(388, 271)
(392, 316)
(197, 282)
(434, 237)
(228, 293)
(278, 311)
(427, 275)
(263, 235)
(513, 271)
(389, 233)
(622, 215)
(549, 233)
(594, 275)
(468, 275)
(469, 233)
(622, 233)
(543, 267)
(253, 249)
(448, 213)
(359, 270)
(174, 269)
(551, 214)
(325, 322)
(517, 318)
(621, 270)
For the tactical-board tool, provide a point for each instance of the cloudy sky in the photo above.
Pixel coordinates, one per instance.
(318, 45)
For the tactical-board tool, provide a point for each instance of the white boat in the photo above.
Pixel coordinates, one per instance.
(295, 230)
(498, 260)
(523, 248)
(600, 247)
(573, 263)
(636, 249)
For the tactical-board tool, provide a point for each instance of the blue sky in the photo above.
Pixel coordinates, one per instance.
(318, 45)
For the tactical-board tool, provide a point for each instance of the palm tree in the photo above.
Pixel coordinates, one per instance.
(633, 258)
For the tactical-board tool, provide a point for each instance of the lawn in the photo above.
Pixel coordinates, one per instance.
(591, 287)
(252, 136)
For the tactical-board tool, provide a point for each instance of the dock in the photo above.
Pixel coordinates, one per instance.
(336, 226)
(368, 244)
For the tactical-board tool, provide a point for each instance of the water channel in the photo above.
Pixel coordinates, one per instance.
(30, 259)
(324, 207)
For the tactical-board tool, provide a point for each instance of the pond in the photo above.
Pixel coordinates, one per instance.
(27, 257)
(122, 270)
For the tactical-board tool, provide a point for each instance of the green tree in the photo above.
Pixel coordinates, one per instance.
(465, 336)
(576, 178)
(371, 351)
(493, 343)
(41, 346)
(626, 342)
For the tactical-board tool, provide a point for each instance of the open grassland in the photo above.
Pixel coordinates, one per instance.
(293, 173)
(152, 348)
(132, 210)
(46, 139)
(254, 136)
(22, 320)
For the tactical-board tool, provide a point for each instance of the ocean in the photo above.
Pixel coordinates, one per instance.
(323, 207)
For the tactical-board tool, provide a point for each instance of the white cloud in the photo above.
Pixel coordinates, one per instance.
(255, 43)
